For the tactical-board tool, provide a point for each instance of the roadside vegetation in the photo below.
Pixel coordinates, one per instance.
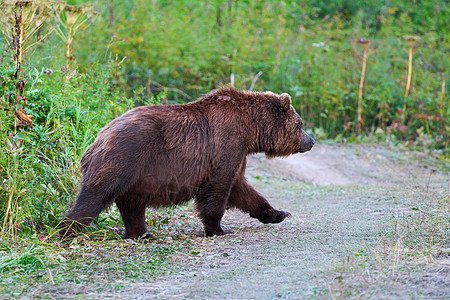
(410, 257)
(357, 72)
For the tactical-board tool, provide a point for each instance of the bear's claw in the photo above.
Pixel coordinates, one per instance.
(278, 217)
(218, 232)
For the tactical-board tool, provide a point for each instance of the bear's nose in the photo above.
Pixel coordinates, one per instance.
(313, 141)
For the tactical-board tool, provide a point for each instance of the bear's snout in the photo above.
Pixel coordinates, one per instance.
(306, 142)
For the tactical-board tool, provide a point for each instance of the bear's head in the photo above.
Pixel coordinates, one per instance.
(295, 123)
(284, 128)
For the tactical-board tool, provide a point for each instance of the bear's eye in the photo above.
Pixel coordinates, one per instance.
(301, 123)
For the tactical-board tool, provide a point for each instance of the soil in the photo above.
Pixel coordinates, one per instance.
(339, 197)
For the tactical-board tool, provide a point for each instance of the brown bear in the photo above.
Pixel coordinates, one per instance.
(155, 156)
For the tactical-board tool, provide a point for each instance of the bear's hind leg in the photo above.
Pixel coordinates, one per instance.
(91, 201)
(133, 216)
(89, 204)
(244, 197)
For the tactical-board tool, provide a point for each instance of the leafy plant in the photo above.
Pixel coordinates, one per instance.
(69, 20)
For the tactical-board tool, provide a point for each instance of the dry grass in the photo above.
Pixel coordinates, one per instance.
(410, 257)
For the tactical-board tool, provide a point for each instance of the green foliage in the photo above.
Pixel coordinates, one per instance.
(141, 52)
(303, 48)
(40, 165)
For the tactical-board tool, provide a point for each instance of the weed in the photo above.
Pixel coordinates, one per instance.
(69, 20)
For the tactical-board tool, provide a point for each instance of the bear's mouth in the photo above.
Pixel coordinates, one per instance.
(305, 150)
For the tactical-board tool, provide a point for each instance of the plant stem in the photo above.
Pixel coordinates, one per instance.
(408, 82)
(69, 47)
(18, 44)
(361, 85)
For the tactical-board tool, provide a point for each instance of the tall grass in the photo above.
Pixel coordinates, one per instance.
(41, 166)
(49, 115)
(180, 50)
(300, 47)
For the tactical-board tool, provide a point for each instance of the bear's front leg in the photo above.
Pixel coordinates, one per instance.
(211, 202)
(247, 199)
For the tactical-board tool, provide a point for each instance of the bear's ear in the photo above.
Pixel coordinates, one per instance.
(285, 100)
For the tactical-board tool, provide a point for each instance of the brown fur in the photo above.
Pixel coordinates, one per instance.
(166, 155)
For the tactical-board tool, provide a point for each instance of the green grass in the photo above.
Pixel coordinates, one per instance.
(84, 262)
(95, 260)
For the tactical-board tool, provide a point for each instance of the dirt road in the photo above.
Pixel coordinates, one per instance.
(368, 222)
(339, 196)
